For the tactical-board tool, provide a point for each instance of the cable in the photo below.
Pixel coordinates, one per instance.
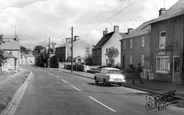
(103, 14)
(112, 15)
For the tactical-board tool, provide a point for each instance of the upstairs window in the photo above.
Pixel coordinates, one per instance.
(162, 40)
(142, 41)
(124, 44)
(130, 43)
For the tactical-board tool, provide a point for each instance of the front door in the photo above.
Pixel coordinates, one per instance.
(176, 70)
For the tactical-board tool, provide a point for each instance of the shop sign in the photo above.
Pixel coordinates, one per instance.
(161, 53)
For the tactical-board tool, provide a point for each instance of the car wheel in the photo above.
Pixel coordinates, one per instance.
(96, 81)
(120, 84)
(104, 82)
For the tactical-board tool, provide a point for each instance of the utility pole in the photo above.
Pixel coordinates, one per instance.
(49, 54)
(71, 49)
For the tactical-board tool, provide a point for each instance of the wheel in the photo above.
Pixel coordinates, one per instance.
(104, 82)
(120, 84)
(96, 81)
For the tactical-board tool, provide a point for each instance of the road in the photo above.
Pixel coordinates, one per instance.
(53, 92)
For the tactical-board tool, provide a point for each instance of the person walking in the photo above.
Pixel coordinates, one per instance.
(138, 71)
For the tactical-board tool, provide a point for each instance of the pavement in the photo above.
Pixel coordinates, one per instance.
(151, 86)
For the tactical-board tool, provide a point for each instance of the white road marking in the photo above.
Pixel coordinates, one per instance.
(64, 81)
(102, 104)
(57, 77)
(75, 88)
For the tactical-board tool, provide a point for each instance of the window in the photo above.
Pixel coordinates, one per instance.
(107, 50)
(124, 44)
(130, 59)
(87, 50)
(130, 43)
(142, 41)
(142, 59)
(162, 64)
(162, 40)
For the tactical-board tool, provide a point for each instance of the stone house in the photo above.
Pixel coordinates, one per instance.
(167, 51)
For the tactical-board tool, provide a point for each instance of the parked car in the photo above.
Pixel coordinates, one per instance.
(109, 75)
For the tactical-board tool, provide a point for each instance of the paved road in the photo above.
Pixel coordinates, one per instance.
(59, 93)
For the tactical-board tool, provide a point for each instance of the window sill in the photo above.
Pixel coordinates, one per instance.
(159, 72)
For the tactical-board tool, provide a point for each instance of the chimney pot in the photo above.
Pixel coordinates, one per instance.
(105, 32)
(161, 11)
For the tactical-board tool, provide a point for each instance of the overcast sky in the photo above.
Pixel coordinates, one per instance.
(37, 20)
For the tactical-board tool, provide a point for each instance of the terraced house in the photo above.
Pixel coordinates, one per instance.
(167, 45)
(135, 47)
(102, 47)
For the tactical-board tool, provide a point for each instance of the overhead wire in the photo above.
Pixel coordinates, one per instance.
(115, 6)
(112, 15)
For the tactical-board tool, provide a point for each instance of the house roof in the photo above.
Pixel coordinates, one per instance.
(103, 40)
(9, 44)
(8, 55)
(176, 10)
(141, 30)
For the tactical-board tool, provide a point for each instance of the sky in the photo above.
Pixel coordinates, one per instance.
(34, 21)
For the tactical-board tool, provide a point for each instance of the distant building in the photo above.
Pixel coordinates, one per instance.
(11, 49)
(108, 40)
(80, 49)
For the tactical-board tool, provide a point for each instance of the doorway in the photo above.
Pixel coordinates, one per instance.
(176, 70)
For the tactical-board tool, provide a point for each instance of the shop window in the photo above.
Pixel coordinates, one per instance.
(162, 40)
(162, 64)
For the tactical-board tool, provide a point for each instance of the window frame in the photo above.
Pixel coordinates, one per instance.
(168, 65)
(130, 43)
(130, 59)
(142, 60)
(142, 41)
(124, 44)
(160, 41)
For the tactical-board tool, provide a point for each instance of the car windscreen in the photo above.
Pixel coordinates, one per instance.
(113, 72)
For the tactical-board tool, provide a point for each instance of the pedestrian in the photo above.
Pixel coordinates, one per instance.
(138, 71)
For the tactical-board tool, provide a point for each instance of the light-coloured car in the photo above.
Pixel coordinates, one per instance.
(109, 75)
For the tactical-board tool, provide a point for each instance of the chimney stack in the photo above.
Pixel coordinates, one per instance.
(130, 30)
(161, 11)
(116, 29)
(68, 40)
(105, 32)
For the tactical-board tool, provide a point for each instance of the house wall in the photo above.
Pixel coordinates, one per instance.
(18, 56)
(112, 42)
(79, 49)
(136, 51)
(174, 36)
(60, 53)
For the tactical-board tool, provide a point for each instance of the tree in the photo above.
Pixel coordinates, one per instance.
(25, 50)
(111, 54)
(88, 59)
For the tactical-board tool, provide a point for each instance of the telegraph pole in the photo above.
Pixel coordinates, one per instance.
(71, 49)
(49, 54)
